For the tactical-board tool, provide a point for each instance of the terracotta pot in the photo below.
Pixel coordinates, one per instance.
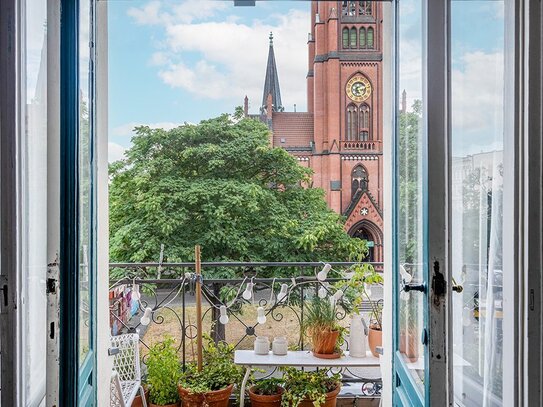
(331, 399)
(375, 338)
(137, 401)
(324, 342)
(178, 404)
(260, 400)
(217, 398)
(409, 346)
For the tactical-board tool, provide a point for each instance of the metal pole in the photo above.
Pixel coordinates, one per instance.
(198, 267)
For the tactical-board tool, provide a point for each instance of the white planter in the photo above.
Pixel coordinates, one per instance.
(262, 345)
(280, 346)
(357, 338)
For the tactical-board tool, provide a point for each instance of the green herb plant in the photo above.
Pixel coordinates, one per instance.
(163, 373)
(314, 385)
(218, 369)
(268, 387)
(320, 316)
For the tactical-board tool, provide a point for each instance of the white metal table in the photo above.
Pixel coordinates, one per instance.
(249, 359)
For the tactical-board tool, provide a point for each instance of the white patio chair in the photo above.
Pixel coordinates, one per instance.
(126, 375)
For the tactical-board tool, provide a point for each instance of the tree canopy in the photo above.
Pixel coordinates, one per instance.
(221, 185)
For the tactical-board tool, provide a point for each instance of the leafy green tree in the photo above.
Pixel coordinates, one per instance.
(219, 184)
(410, 175)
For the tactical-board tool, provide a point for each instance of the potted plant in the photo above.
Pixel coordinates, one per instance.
(163, 373)
(357, 290)
(213, 385)
(310, 389)
(138, 401)
(321, 325)
(266, 393)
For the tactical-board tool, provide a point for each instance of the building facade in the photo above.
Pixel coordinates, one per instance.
(340, 136)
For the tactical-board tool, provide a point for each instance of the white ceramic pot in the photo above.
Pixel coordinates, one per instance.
(262, 345)
(280, 346)
(357, 337)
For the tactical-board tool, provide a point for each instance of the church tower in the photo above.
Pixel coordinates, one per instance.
(340, 136)
(344, 83)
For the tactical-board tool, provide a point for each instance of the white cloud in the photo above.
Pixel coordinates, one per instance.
(115, 152)
(149, 14)
(478, 91)
(126, 130)
(230, 55)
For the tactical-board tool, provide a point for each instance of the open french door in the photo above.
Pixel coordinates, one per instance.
(456, 203)
(77, 260)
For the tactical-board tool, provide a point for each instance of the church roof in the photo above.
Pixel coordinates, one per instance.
(292, 130)
(271, 83)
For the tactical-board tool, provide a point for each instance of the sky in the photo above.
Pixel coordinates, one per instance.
(172, 62)
(176, 61)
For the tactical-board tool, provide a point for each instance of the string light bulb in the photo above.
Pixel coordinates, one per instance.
(337, 295)
(367, 288)
(321, 276)
(248, 293)
(283, 293)
(406, 277)
(261, 318)
(223, 319)
(146, 318)
(322, 292)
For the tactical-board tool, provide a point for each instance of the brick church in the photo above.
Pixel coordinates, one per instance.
(340, 136)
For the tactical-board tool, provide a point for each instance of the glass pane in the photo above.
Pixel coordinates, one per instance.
(410, 160)
(85, 192)
(478, 113)
(34, 195)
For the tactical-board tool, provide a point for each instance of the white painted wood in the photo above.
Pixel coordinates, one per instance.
(53, 195)
(388, 129)
(436, 84)
(301, 359)
(102, 207)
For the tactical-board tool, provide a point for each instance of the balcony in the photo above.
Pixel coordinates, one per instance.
(281, 301)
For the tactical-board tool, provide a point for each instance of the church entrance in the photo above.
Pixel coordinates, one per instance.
(369, 232)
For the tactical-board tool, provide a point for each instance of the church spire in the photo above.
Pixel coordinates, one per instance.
(271, 83)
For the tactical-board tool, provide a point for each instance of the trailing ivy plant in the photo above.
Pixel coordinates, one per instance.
(300, 385)
(218, 369)
(163, 373)
(268, 387)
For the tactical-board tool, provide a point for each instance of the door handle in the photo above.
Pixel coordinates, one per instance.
(414, 287)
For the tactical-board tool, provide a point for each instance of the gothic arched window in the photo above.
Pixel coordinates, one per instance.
(352, 122)
(365, 123)
(362, 38)
(364, 8)
(353, 37)
(370, 38)
(359, 180)
(345, 38)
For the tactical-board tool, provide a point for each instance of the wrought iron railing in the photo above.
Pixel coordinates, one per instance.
(169, 303)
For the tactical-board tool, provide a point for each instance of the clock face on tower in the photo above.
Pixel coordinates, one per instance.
(358, 88)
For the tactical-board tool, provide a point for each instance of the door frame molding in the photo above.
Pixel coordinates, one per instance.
(10, 83)
(69, 203)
